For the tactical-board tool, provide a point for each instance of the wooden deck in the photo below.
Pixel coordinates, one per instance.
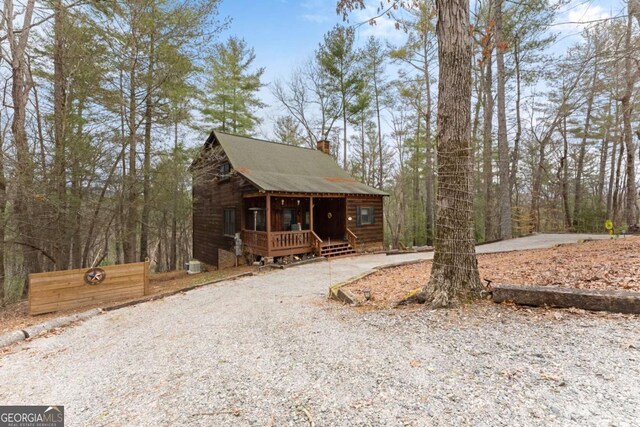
(284, 243)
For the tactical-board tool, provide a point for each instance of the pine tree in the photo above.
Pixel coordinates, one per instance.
(339, 61)
(230, 97)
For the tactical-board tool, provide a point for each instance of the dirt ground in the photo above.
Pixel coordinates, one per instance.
(602, 264)
(16, 316)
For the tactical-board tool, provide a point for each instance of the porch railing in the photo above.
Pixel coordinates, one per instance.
(352, 238)
(279, 242)
(290, 240)
(256, 240)
(316, 242)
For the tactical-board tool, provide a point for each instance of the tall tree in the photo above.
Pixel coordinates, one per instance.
(454, 275)
(487, 43)
(627, 106)
(287, 130)
(339, 60)
(21, 85)
(374, 66)
(503, 144)
(308, 99)
(231, 98)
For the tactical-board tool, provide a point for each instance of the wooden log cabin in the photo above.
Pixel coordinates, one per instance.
(283, 200)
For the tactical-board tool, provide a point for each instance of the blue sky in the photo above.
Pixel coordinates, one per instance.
(284, 33)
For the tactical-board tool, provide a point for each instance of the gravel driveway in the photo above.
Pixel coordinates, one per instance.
(271, 351)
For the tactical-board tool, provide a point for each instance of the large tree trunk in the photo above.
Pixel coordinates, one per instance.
(503, 144)
(454, 276)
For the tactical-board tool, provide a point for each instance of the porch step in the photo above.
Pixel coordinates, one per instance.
(337, 250)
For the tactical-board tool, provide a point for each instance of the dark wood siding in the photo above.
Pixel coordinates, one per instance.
(372, 233)
(210, 198)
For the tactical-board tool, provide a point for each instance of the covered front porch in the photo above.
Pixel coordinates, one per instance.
(277, 224)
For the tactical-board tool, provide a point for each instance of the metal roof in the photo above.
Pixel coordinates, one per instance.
(274, 167)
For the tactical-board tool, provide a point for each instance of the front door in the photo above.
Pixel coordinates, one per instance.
(329, 218)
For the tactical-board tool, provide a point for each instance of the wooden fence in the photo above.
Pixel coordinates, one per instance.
(63, 290)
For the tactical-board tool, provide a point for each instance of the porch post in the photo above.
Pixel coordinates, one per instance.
(311, 213)
(268, 221)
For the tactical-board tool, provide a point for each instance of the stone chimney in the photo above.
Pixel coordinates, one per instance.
(323, 146)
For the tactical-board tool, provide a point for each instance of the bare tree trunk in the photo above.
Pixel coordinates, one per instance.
(363, 157)
(515, 155)
(627, 106)
(376, 94)
(583, 149)
(429, 181)
(344, 124)
(487, 154)
(3, 207)
(129, 243)
(536, 187)
(146, 189)
(604, 152)
(454, 275)
(40, 126)
(563, 175)
(75, 203)
(62, 242)
(612, 171)
(416, 184)
(616, 199)
(20, 88)
(503, 145)
(173, 251)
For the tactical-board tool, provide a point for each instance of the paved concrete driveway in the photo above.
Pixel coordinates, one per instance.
(270, 351)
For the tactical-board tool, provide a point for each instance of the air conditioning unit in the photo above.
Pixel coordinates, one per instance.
(195, 267)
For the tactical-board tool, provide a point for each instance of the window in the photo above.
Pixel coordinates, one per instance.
(364, 216)
(229, 222)
(223, 171)
(288, 218)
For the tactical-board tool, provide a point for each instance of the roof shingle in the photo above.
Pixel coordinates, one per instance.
(272, 166)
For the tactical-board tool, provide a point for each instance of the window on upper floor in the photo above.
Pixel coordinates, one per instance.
(224, 170)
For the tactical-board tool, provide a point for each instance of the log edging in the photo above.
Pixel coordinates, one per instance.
(550, 296)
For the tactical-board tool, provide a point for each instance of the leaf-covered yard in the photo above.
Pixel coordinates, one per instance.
(602, 264)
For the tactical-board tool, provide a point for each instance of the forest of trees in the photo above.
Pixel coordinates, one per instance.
(101, 99)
